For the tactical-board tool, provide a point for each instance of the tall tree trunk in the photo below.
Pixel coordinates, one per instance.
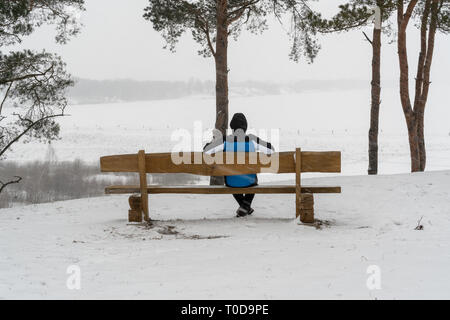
(410, 116)
(423, 72)
(221, 61)
(375, 105)
(421, 140)
(413, 139)
(419, 85)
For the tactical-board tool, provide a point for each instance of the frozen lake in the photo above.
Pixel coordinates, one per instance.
(314, 120)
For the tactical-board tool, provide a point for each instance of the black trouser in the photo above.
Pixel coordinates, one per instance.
(244, 200)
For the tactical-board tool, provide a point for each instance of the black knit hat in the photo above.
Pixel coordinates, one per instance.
(238, 122)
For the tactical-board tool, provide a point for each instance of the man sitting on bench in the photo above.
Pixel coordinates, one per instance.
(239, 141)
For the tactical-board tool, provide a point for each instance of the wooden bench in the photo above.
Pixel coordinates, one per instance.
(297, 162)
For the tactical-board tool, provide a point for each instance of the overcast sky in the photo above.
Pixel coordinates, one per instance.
(116, 42)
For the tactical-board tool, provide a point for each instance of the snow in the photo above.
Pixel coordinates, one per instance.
(312, 120)
(197, 249)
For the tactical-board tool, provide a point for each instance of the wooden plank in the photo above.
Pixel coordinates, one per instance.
(328, 161)
(119, 163)
(143, 184)
(262, 189)
(226, 163)
(298, 190)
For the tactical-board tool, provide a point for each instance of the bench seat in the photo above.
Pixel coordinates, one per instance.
(204, 189)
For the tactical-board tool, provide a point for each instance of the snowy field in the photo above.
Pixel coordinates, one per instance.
(313, 120)
(197, 249)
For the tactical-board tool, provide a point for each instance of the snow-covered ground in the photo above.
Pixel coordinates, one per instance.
(197, 249)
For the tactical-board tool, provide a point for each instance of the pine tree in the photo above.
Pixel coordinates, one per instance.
(354, 15)
(433, 16)
(213, 22)
(33, 83)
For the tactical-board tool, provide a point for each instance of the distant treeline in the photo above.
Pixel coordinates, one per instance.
(96, 91)
(104, 91)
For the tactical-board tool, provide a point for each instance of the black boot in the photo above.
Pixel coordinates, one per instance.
(247, 206)
(241, 212)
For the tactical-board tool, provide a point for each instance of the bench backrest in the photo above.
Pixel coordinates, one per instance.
(222, 164)
(227, 163)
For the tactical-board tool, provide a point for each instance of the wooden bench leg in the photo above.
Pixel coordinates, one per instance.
(135, 212)
(307, 208)
(143, 184)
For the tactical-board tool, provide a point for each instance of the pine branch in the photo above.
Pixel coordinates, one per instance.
(28, 76)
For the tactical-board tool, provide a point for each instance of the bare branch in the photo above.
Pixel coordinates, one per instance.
(208, 38)
(238, 13)
(4, 185)
(6, 96)
(204, 26)
(367, 38)
(31, 125)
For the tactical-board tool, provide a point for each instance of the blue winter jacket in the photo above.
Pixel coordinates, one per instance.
(239, 142)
